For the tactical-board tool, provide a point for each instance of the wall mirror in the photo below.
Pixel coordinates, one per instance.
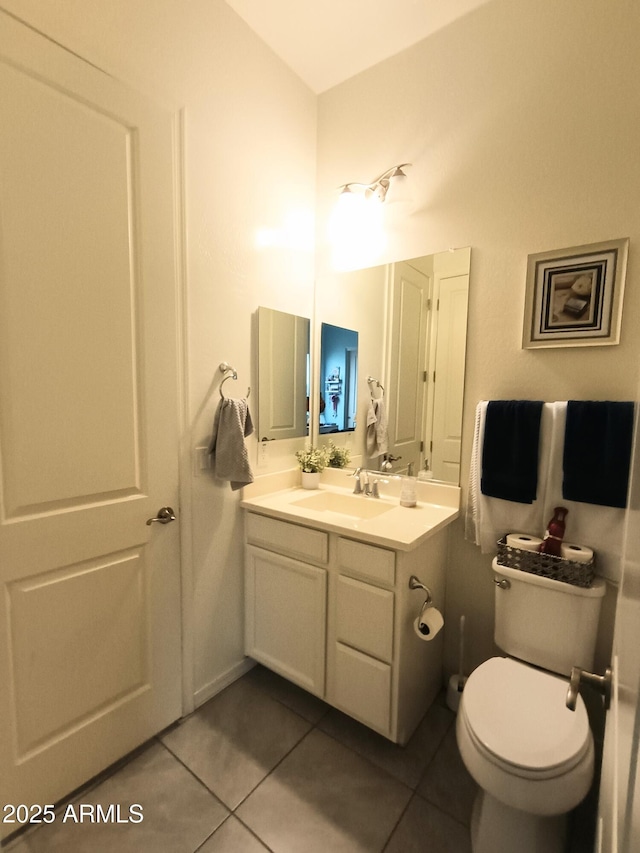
(411, 318)
(338, 399)
(283, 375)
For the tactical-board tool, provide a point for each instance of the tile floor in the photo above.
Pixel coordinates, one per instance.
(265, 766)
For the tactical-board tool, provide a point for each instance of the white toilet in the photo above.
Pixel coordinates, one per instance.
(531, 756)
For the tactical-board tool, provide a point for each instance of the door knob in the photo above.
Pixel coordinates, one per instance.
(164, 516)
(601, 683)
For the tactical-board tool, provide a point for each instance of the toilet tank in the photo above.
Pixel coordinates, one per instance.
(545, 622)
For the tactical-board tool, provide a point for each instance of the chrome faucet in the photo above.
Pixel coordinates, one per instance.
(363, 485)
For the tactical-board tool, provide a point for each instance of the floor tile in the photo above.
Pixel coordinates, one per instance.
(294, 697)
(233, 837)
(406, 763)
(447, 783)
(235, 739)
(323, 797)
(425, 829)
(178, 812)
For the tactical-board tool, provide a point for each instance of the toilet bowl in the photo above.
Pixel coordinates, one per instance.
(532, 757)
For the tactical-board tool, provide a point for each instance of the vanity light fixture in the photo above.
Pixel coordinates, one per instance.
(389, 186)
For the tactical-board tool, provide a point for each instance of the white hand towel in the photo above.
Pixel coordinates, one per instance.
(377, 433)
(382, 426)
(229, 456)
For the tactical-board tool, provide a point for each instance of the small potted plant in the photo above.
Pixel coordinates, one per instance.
(312, 461)
(338, 456)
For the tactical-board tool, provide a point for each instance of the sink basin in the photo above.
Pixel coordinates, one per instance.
(355, 506)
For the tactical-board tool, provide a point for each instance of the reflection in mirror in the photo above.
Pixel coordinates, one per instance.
(283, 375)
(339, 372)
(412, 319)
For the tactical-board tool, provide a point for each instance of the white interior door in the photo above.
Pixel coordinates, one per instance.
(90, 606)
(619, 806)
(407, 363)
(451, 293)
(448, 386)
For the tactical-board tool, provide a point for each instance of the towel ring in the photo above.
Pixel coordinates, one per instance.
(225, 367)
(373, 381)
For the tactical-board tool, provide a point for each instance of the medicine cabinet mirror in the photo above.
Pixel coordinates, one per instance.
(283, 375)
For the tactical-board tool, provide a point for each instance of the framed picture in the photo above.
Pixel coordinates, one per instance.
(574, 296)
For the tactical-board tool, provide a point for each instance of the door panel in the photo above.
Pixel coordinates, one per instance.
(68, 287)
(66, 659)
(90, 605)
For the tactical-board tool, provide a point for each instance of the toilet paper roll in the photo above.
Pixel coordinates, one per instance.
(523, 541)
(428, 624)
(577, 553)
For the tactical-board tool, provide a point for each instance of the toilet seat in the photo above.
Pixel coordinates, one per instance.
(517, 718)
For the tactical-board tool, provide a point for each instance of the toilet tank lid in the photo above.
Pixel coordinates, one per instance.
(596, 590)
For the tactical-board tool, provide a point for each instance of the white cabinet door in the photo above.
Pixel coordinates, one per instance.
(89, 594)
(285, 617)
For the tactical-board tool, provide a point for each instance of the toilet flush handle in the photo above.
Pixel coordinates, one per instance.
(601, 683)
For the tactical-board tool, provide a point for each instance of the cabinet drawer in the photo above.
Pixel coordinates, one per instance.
(363, 687)
(369, 561)
(291, 539)
(364, 617)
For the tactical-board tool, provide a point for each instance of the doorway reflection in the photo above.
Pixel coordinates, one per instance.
(339, 379)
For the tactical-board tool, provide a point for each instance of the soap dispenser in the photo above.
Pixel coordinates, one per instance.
(408, 492)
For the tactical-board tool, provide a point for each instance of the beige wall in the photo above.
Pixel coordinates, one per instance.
(249, 153)
(522, 124)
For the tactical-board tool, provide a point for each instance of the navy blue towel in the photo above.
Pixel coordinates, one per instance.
(597, 452)
(510, 450)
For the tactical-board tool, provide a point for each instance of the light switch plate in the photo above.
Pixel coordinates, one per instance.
(201, 460)
(263, 454)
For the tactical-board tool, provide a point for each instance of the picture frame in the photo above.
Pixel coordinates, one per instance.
(574, 296)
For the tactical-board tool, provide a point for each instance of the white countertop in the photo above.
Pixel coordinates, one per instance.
(389, 524)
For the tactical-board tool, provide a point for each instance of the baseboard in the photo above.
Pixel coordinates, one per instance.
(208, 691)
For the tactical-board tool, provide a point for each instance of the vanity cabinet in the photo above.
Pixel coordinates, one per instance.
(335, 615)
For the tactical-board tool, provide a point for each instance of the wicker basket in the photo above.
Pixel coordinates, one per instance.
(546, 565)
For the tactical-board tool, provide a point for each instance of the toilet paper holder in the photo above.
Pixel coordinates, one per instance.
(416, 583)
